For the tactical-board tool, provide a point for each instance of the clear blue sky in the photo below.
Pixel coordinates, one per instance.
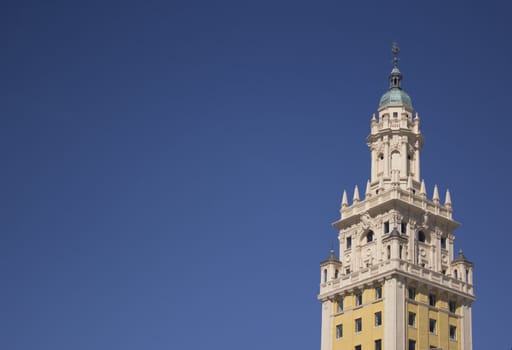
(170, 169)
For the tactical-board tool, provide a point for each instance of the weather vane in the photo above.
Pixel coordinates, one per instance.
(395, 49)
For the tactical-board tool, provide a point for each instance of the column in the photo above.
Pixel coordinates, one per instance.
(327, 327)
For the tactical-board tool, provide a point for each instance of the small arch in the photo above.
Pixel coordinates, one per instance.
(369, 236)
(422, 237)
(325, 275)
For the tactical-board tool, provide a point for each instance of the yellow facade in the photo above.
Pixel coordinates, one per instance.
(420, 331)
(351, 312)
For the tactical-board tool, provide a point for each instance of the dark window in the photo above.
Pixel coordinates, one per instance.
(389, 252)
(359, 298)
(349, 242)
(336, 273)
(412, 293)
(378, 319)
(421, 236)
(357, 347)
(412, 344)
(404, 228)
(378, 292)
(432, 326)
(452, 305)
(325, 275)
(400, 252)
(359, 325)
(453, 332)
(443, 243)
(340, 305)
(412, 319)
(378, 344)
(395, 114)
(386, 227)
(369, 237)
(347, 271)
(432, 300)
(339, 331)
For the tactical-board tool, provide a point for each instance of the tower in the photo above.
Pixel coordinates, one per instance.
(396, 284)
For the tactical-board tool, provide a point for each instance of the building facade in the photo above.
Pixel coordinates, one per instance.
(397, 284)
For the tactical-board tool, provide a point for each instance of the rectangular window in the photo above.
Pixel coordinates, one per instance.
(386, 227)
(412, 293)
(378, 344)
(339, 331)
(404, 228)
(359, 298)
(359, 325)
(412, 319)
(432, 326)
(453, 333)
(452, 306)
(395, 114)
(443, 243)
(412, 344)
(340, 305)
(357, 347)
(378, 319)
(349, 242)
(378, 292)
(432, 300)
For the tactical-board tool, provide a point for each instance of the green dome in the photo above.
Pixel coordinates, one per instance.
(395, 96)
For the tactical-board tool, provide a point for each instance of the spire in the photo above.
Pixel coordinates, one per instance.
(395, 78)
(448, 200)
(367, 193)
(409, 182)
(356, 195)
(435, 196)
(423, 191)
(344, 200)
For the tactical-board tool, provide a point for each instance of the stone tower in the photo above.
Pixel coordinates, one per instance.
(396, 284)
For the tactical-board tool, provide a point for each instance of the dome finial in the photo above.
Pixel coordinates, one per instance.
(395, 78)
(395, 49)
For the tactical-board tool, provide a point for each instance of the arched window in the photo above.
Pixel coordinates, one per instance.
(400, 253)
(389, 252)
(421, 236)
(336, 273)
(456, 275)
(325, 275)
(369, 237)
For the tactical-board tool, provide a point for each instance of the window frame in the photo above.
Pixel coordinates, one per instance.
(358, 325)
(339, 331)
(432, 326)
(378, 318)
(412, 315)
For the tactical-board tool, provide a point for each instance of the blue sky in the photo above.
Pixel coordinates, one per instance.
(171, 169)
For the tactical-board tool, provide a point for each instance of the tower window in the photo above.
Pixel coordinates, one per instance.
(412, 319)
(443, 243)
(452, 305)
(378, 344)
(340, 305)
(359, 298)
(455, 275)
(389, 252)
(336, 274)
(432, 326)
(339, 331)
(403, 227)
(453, 333)
(378, 319)
(412, 293)
(349, 242)
(400, 252)
(412, 344)
(421, 236)
(386, 227)
(359, 325)
(378, 292)
(369, 237)
(432, 299)
(325, 275)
